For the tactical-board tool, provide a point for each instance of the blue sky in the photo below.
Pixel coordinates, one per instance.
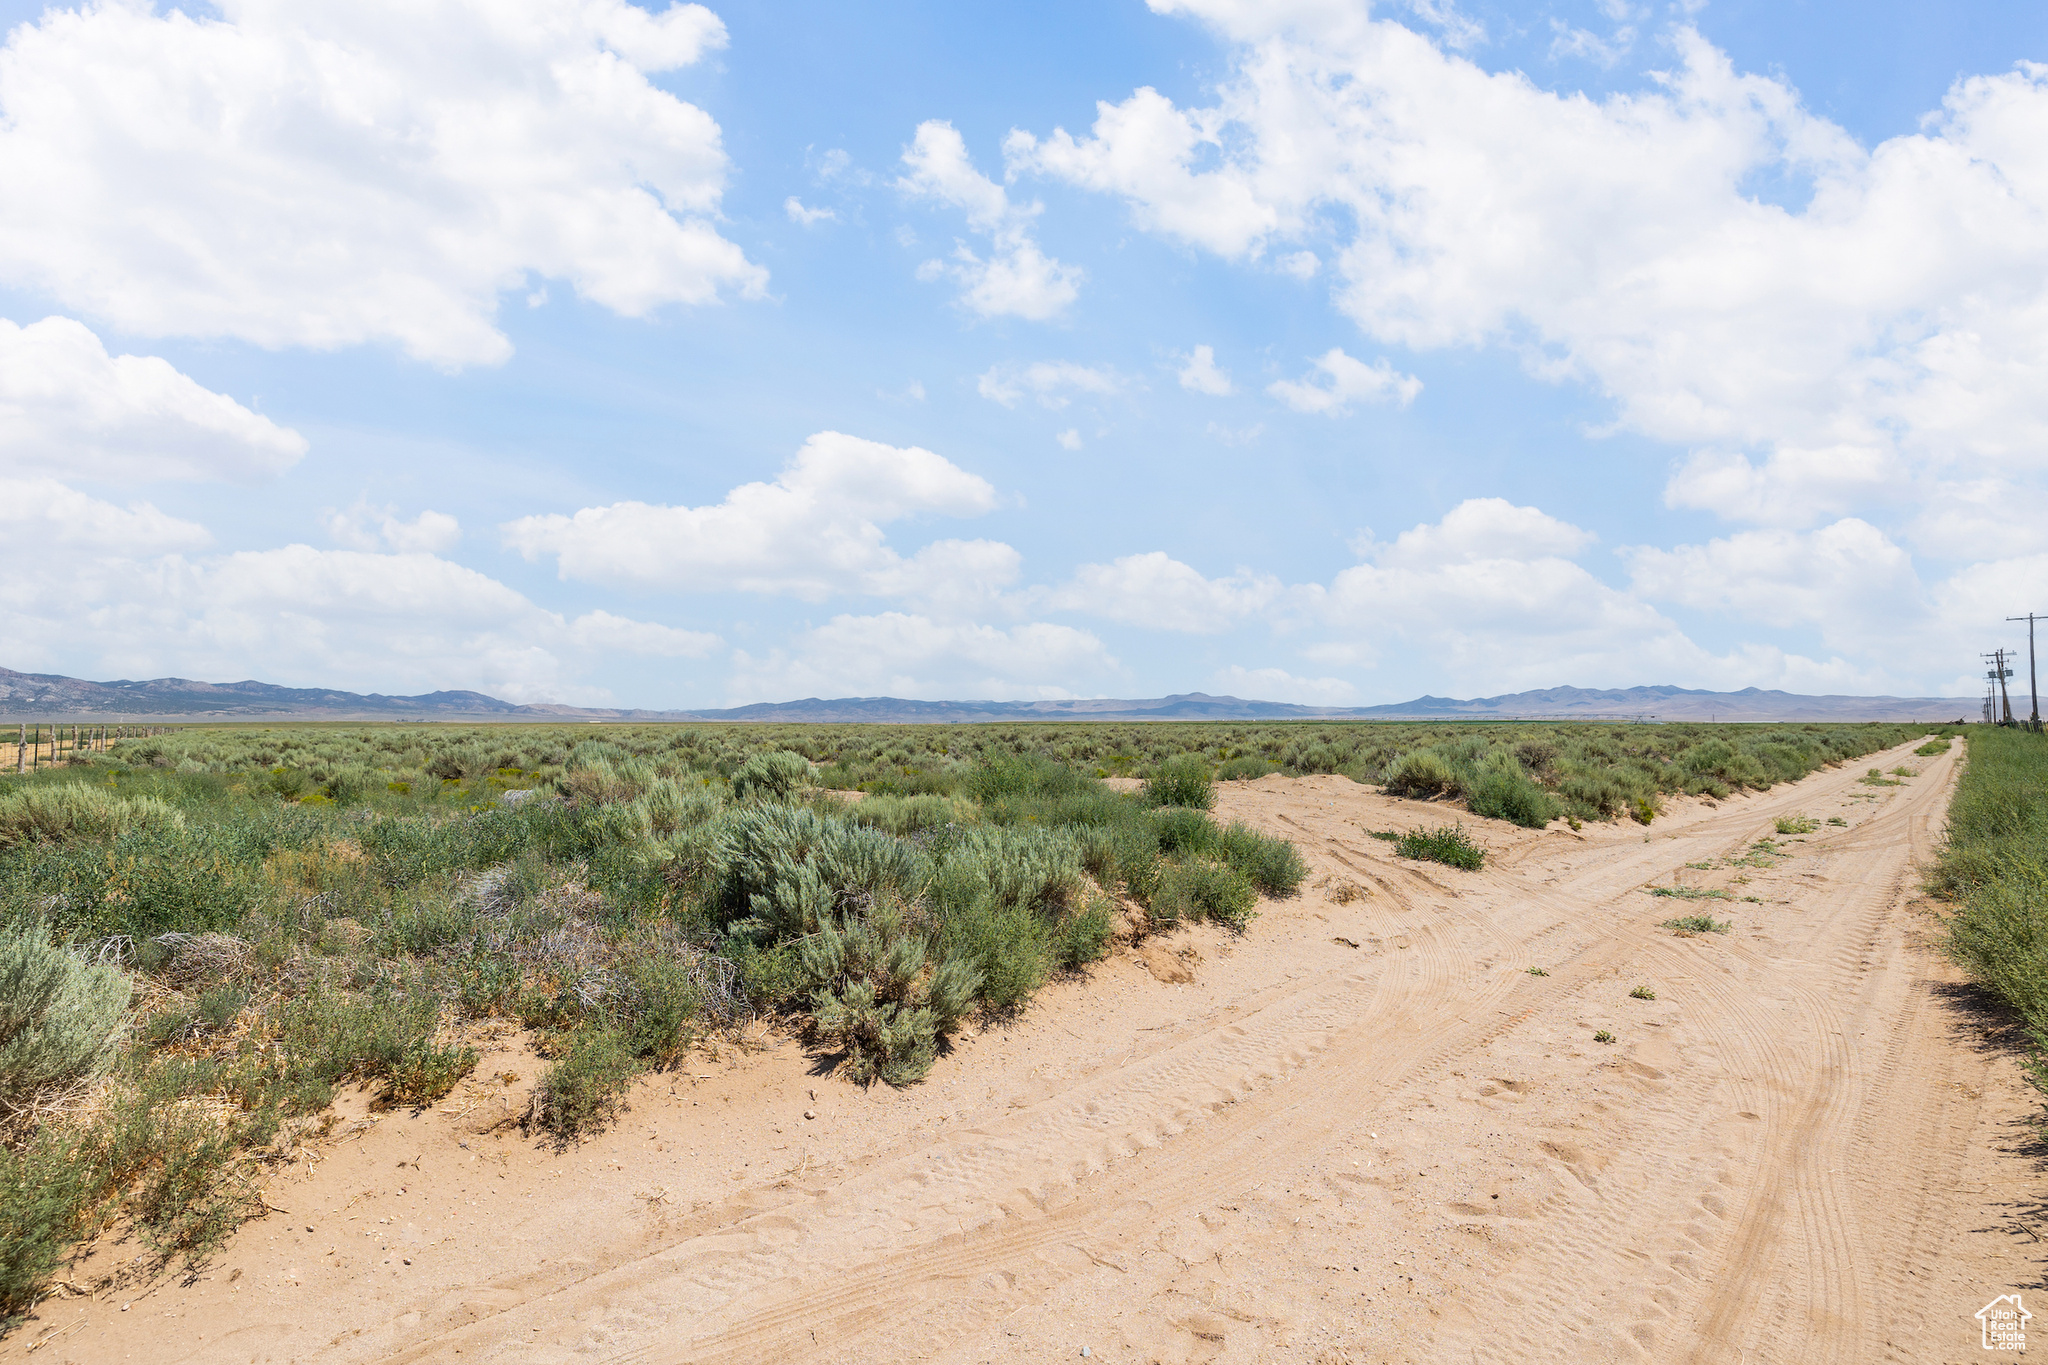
(1305, 350)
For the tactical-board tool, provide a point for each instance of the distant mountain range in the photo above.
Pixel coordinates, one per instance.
(47, 697)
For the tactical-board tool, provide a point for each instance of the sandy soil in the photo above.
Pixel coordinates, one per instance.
(1362, 1132)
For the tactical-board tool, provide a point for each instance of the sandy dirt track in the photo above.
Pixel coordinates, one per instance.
(1362, 1132)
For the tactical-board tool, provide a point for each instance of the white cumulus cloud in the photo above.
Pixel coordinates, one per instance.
(903, 654)
(1494, 595)
(1016, 279)
(48, 527)
(602, 630)
(1159, 592)
(1847, 578)
(129, 592)
(364, 527)
(1482, 528)
(794, 207)
(813, 532)
(1875, 330)
(1052, 383)
(67, 407)
(1200, 374)
(327, 175)
(1338, 381)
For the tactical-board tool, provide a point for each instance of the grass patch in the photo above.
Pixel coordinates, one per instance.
(1938, 745)
(1689, 893)
(1603, 1036)
(1449, 845)
(1795, 824)
(1687, 925)
(1642, 993)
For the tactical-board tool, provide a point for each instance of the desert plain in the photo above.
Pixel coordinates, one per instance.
(1363, 1131)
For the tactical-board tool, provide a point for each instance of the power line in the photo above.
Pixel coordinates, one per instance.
(2033, 685)
(1998, 673)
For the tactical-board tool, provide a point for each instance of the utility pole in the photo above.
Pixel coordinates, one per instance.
(1998, 673)
(2033, 683)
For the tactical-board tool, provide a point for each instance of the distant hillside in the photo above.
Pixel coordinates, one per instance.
(46, 696)
(49, 696)
(1661, 703)
(1684, 703)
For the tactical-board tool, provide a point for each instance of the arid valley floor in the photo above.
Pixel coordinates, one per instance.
(1363, 1131)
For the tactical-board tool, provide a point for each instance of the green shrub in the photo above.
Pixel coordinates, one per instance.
(1084, 936)
(878, 998)
(1503, 791)
(1035, 868)
(1201, 889)
(1698, 924)
(1938, 745)
(326, 1036)
(1449, 845)
(1011, 777)
(584, 1087)
(1421, 775)
(352, 786)
(1241, 769)
(458, 764)
(1123, 857)
(773, 776)
(1181, 781)
(780, 869)
(1185, 833)
(669, 806)
(1010, 946)
(661, 1006)
(770, 975)
(1689, 893)
(1795, 824)
(289, 783)
(183, 1201)
(45, 1197)
(1274, 865)
(59, 1018)
(602, 775)
(903, 815)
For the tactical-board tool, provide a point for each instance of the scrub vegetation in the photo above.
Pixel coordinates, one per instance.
(204, 933)
(1993, 871)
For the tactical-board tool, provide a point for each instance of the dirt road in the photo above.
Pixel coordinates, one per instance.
(1363, 1132)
